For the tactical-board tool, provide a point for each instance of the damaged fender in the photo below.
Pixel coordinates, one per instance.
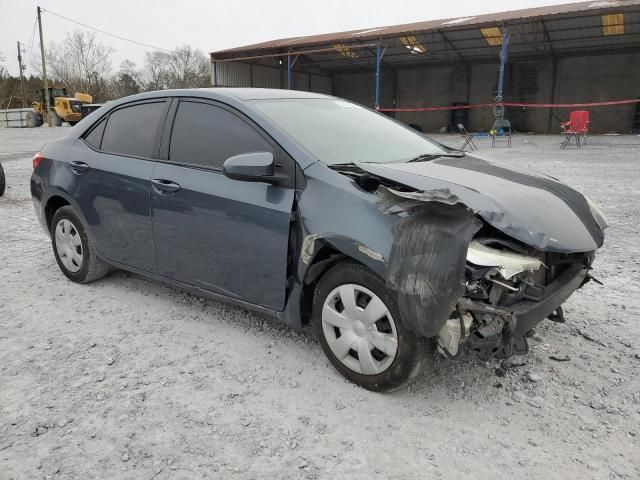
(426, 263)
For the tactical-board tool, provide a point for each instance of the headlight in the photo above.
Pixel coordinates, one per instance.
(507, 263)
(597, 213)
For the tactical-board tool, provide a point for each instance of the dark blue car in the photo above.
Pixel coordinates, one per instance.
(312, 208)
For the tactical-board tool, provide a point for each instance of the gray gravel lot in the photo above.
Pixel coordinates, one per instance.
(127, 378)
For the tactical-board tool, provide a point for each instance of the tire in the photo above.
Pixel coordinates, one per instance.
(3, 182)
(74, 253)
(33, 119)
(55, 120)
(379, 371)
(73, 123)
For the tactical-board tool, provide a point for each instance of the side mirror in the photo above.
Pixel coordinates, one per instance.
(249, 167)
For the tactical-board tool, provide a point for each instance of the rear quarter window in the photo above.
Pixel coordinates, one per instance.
(132, 130)
(94, 137)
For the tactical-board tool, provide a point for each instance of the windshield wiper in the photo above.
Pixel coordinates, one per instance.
(430, 156)
(344, 166)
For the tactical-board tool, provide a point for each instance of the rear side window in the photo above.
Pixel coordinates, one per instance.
(132, 130)
(205, 135)
(94, 137)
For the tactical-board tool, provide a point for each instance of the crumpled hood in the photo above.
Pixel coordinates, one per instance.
(535, 209)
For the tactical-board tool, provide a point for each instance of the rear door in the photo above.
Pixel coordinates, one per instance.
(222, 235)
(111, 170)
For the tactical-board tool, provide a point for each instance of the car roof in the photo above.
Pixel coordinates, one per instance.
(223, 93)
(239, 98)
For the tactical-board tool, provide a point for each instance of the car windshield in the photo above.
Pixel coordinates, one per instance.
(340, 132)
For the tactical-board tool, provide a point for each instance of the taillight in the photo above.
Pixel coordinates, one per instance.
(37, 158)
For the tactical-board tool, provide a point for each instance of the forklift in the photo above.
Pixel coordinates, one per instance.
(63, 107)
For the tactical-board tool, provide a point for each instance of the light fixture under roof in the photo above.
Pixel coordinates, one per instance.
(492, 35)
(613, 24)
(345, 51)
(413, 45)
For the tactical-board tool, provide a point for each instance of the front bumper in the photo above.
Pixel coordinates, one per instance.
(502, 328)
(529, 313)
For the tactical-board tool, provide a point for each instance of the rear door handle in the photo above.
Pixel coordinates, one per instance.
(79, 167)
(164, 187)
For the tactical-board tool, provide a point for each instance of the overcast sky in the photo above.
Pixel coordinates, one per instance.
(211, 25)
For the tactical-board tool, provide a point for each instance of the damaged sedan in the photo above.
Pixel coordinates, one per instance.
(313, 209)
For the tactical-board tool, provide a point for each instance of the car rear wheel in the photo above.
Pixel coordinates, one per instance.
(73, 251)
(359, 327)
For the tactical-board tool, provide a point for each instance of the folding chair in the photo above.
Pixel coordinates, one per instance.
(576, 128)
(501, 127)
(468, 138)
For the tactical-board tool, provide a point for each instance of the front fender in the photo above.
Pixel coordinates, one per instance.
(344, 247)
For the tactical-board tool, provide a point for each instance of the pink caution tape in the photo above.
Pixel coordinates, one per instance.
(512, 104)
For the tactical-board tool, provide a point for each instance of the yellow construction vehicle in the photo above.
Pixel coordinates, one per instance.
(63, 107)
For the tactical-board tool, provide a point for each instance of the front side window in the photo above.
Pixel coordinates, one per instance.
(335, 131)
(206, 135)
(132, 130)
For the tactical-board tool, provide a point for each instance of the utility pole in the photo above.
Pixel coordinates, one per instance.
(20, 66)
(44, 70)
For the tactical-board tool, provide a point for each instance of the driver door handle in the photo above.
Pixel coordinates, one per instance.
(164, 187)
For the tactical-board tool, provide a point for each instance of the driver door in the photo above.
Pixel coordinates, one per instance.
(212, 232)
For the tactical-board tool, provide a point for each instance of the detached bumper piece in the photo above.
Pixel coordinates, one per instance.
(501, 330)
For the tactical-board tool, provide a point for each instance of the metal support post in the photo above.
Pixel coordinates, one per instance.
(379, 54)
(20, 67)
(290, 64)
(44, 71)
(503, 61)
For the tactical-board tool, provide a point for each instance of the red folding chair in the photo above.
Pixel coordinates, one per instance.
(576, 128)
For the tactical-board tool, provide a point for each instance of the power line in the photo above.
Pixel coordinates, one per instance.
(13, 89)
(30, 48)
(105, 33)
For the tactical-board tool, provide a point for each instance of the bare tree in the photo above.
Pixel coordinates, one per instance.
(3, 82)
(125, 81)
(184, 67)
(188, 68)
(154, 75)
(81, 62)
(4, 73)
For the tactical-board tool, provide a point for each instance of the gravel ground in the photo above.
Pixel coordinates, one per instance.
(127, 378)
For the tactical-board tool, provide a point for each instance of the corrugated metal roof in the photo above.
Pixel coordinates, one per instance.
(570, 12)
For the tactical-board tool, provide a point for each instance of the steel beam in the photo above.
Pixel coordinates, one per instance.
(503, 61)
(290, 64)
(379, 54)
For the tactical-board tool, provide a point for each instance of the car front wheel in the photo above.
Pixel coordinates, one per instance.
(73, 251)
(358, 323)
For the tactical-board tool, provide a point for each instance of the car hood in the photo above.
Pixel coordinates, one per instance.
(534, 209)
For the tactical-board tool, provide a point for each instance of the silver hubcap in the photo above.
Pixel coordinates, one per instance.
(359, 329)
(69, 245)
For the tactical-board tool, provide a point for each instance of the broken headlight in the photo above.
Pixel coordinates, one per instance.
(507, 263)
(501, 276)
